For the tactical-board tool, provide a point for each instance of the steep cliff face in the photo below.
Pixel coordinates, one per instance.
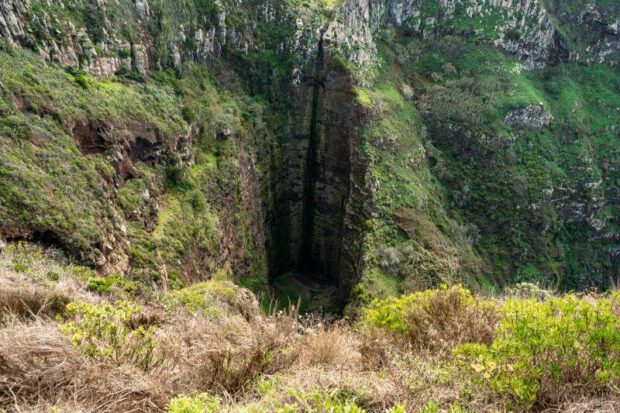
(289, 187)
(317, 211)
(539, 33)
(380, 145)
(105, 37)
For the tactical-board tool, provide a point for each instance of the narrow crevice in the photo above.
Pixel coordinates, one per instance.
(311, 173)
(315, 230)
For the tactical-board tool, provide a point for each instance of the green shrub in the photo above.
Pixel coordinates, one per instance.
(53, 275)
(202, 403)
(435, 319)
(432, 407)
(112, 283)
(19, 268)
(543, 350)
(105, 332)
(335, 401)
(82, 80)
(209, 297)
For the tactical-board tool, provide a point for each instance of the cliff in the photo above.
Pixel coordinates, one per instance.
(377, 146)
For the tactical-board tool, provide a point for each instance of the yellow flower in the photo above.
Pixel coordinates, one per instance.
(477, 367)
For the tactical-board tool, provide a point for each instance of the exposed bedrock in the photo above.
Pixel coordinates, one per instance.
(317, 224)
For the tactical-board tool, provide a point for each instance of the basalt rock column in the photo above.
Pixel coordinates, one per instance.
(319, 219)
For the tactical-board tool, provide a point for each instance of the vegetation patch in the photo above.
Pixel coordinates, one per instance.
(112, 283)
(435, 319)
(211, 298)
(105, 331)
(543, 351)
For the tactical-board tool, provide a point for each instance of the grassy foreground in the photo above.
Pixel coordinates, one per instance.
(71, 341)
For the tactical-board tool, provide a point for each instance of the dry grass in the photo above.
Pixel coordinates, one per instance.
(37, 283)
(263, 364)
(251, 361)
(36, 362)
(588, 406)
(39, 367)
(333, 345)
(30, 302)
(223, 356)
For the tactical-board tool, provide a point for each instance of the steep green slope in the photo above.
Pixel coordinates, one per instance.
(465, 190)
(348, 146)
(140, 177)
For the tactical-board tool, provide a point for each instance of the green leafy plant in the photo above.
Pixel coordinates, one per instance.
(19, 268)
(201, 403)
(544, 349)
(435, 319)
(208, 297)
(105, 331)
(432, 407)
(53, 275)
(111, 283)
(82, 80)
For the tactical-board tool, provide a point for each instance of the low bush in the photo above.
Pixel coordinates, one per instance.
(202, 403)
(200, 296)
(105, 331)
(435, 319)
(335, 401)
(214, 299)
(112, 283)
(20, 268)
(550, 351)
(432, 407)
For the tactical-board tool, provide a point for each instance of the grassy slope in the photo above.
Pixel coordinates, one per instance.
(460, 193)
(70, 341)
(39, 158)
(40, 104)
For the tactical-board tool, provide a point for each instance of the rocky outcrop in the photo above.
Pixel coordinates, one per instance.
(61, 41)
(131, 35)
(11, 20)
(131, 143)
(520, 28)
(526, 29)
(124, 35)
(532, 118)
(604, 26)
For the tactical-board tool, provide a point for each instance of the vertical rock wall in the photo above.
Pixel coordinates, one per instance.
(316, 225)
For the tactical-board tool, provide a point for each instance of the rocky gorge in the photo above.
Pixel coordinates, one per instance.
(325, 206)
(357, 141)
